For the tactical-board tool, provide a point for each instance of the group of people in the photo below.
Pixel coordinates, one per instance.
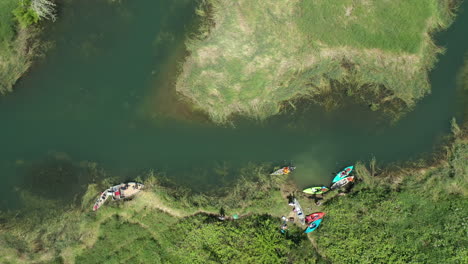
(313, 220)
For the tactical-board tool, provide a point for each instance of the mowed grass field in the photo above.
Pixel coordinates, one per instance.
(259, 54)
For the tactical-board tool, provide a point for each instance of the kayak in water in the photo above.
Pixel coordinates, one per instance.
(342, 182)
(284, 170)
(314, 225)
(314, 217)
(316, 190)
(343, 174)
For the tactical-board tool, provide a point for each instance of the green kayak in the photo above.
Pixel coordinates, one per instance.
(316, 190)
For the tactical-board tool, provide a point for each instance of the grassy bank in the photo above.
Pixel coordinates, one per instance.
(410, 215)
(257, 55)
(18, 43)
(414, 216)
(161, 225)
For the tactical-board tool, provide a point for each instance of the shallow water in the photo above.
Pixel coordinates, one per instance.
(104, 94)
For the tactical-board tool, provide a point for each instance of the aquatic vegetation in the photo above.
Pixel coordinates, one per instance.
(463, 87)
(257, 55)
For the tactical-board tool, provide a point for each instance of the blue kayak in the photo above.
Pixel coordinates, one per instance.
(343, 174)
(312, 226)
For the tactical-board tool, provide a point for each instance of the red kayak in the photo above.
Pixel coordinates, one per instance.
(313, 217)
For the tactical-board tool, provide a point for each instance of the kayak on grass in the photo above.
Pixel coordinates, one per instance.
(343, 174)
(118, 192)
(299, 212)
(314, 217)
(284, 170)
(101, 200)
(312, 226)
(342, 182)
(316, 190)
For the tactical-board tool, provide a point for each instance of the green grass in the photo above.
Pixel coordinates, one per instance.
(121, 241)
(396, 26)
(16, 47)
(415, 216)
(197, 239)
(379, 226)
(260, 54)
(6, 21)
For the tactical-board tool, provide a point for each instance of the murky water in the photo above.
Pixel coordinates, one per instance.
(104, 94)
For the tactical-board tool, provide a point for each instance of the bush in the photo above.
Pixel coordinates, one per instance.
(25, 14)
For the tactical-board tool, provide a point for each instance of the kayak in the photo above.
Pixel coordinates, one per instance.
(343, 174)
(118, 192)
(299, 212)
(101, 200)
(284, 170)
(314, 217)
(342, 182)
(316, 190)
(312, 226)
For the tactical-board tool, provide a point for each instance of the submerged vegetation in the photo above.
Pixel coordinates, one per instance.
(463, 87)
(259, 54)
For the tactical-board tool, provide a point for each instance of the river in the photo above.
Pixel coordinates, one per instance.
(103, 93)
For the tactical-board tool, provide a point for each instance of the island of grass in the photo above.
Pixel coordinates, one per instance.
(252, 56)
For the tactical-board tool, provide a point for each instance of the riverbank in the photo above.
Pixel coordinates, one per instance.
(408, 215)
(415, 215)
(150, 225)
(251, 59)
(19, 43)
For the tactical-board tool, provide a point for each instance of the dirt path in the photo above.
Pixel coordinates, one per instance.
(151, 200)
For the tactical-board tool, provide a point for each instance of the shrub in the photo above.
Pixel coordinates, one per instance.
(30, 12)
(25, 14)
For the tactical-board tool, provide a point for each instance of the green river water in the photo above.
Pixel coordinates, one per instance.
(103, 93)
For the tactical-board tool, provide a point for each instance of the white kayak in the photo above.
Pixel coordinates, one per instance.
(117, 192)
(299, 212)
(342, 182)
(283, 171)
